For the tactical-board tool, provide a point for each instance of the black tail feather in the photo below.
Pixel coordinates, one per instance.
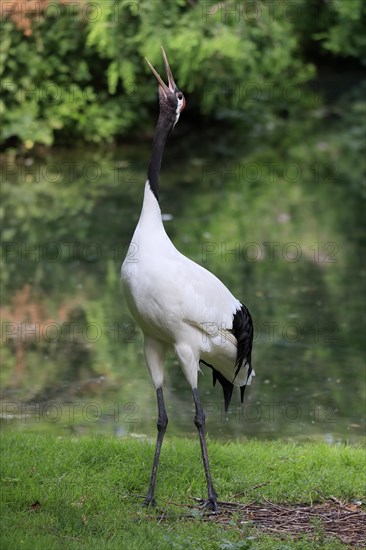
(242, 391)
(227, 387)
(243, 332)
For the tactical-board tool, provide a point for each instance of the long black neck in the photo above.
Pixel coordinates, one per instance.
(162, 130)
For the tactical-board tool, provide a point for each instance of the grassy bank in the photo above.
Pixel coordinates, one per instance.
(84, 493)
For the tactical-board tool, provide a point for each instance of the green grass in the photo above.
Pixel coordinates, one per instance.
(88, 490)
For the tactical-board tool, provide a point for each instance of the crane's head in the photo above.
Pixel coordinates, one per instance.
(171, 100)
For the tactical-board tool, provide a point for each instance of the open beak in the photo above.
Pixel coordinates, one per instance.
(171, 84)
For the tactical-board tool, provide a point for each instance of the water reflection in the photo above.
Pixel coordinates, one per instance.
(279, 225)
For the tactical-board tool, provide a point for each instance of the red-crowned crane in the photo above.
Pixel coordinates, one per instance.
(180, 305)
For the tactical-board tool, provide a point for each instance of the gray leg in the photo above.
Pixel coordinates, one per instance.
(161, 425)
(199, 421)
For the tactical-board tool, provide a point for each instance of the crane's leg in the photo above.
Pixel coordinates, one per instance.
(155, 352)
(199, 421)
(161, 425)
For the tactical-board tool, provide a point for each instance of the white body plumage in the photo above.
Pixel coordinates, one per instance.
(178, 303)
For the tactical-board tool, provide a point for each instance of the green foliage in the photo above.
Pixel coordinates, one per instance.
(74, 77)
(54, 85)
(77, 77)
(345, 35)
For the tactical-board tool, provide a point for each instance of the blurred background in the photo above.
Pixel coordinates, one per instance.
(262, 183)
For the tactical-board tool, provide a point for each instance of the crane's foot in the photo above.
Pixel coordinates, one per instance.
(149, 501)
(210, 504)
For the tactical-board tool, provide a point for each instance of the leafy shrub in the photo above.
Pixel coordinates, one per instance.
(83, 76)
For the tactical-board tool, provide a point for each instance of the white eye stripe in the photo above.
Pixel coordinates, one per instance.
(180, 103)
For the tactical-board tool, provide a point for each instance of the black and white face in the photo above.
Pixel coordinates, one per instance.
(171, 104)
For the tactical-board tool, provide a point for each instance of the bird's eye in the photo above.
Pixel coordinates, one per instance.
(180, 95)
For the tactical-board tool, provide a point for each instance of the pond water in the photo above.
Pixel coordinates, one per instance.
(275, 213)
